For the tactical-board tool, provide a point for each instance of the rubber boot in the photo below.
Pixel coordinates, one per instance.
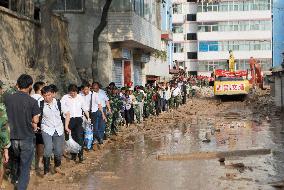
(46, 163)
(73, 156)
(80, 155)
(57, 164)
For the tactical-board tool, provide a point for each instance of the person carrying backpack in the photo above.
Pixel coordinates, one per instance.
(52, 127)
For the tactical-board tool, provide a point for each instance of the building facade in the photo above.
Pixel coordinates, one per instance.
(205, 31)
(128, 44)
(158, 69)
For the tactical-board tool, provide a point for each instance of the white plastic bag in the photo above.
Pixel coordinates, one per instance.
(71, 146)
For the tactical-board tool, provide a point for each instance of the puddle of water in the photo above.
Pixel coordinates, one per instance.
(138, 169)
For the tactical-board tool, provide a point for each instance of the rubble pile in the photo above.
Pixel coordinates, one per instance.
(204, 92)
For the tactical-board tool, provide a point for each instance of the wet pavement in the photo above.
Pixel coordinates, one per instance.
(135, 166)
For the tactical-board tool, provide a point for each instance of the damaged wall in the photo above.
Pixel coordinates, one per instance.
(39, 49)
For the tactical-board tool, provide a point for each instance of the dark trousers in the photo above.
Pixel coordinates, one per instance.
(99, 124)
(77, 132)
(22, 153)
(158, 106)
(129, 115)
(184, 99)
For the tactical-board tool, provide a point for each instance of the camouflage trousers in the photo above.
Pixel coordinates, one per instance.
(108, 124)
(152, 108)
(137, 112)
(177, 101)
(171, 103)
(113, 121)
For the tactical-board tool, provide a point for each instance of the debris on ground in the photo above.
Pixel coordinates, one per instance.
(213, 155)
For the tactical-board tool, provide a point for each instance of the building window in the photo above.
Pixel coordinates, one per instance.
(191, 17)
(252, 25)
(69, 6)
(224, 6)
(234, 45)
(138, 6)
(177, 28)
(191, 55)
(177, 8)
(178, 48)
(191, 36)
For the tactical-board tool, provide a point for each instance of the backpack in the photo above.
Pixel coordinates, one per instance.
(41, 112)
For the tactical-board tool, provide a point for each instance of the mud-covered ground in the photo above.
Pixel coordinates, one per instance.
(129, 160)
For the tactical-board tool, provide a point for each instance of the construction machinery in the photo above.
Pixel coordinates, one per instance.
(256, 75)
(231, 82)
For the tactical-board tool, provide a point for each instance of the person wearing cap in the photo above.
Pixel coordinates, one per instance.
(4, 135)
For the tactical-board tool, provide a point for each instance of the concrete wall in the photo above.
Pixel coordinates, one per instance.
(157, 67)
(279, 89)
(17, 42)
(124, 26)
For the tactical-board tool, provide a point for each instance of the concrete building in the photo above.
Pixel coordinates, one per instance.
(128, 44)
(205, 31)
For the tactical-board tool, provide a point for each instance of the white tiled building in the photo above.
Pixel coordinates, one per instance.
(204, 32)
(127, 44)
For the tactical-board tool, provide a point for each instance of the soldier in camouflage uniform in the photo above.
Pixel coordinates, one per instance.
(116, 104)
(138, 106)
(149, 103)
(4, 134)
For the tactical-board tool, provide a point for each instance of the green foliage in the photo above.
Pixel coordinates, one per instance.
(160, 55)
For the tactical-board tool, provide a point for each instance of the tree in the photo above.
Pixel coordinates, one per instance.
(97, 32)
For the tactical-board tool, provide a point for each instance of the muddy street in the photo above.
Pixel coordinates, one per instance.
(203, 126)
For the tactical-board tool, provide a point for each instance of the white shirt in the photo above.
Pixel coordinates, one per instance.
(75, 106)
(51, 119)
(176, 92)
(96, 101)
(87, 99)
(103, 97)
(38, 98)
(168, 94)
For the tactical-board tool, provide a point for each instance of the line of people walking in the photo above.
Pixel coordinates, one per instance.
(37, 126)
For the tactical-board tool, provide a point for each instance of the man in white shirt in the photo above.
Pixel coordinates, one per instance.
(75, 104)
(39, 141)
(176, 95)
(52, 129)
(100, 116)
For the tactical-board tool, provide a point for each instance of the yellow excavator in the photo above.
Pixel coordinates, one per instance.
(231, 82)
